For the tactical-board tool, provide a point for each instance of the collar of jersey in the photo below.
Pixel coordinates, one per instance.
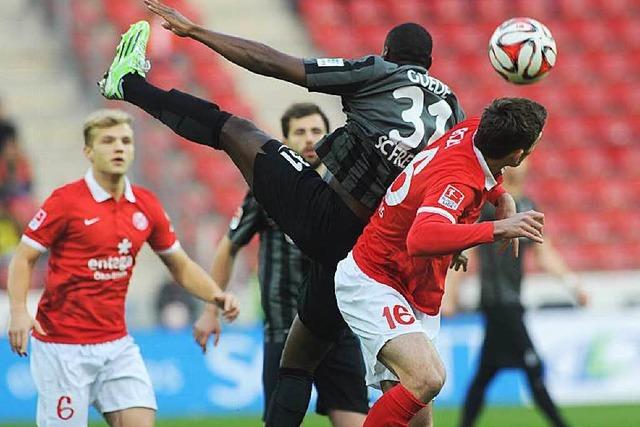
(100, 194)
(489, 179)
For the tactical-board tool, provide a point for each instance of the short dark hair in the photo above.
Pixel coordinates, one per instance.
(509, 124)
(299, 110)
(7, 132)
(409, 43)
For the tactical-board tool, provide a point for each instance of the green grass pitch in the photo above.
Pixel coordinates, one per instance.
(584, 416)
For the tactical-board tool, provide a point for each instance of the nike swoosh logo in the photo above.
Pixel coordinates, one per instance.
(91, 221)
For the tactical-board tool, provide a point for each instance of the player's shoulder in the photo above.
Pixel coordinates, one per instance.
(459, 156)
(144, 195)
(70, 190)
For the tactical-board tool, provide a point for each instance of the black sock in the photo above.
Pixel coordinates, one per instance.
(290, 398)
(190, 117)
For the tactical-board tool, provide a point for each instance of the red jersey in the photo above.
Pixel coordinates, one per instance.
(446, 183)
(93, 242)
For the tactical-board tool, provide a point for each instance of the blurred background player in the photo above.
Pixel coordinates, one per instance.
(342, 394)
(393, 107)
(506, 342)
(389, 288)
(94, 227)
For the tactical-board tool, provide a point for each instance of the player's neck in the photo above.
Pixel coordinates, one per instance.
(111, 183)
(495, 166)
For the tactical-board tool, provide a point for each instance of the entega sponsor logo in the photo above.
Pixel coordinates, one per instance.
(118, 263)
(111, 263)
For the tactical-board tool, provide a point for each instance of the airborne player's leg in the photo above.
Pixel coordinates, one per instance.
(291, 192)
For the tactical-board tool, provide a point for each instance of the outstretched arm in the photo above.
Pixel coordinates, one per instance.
(550, 260)
(433, 235)
(198, 283)
(254, 56)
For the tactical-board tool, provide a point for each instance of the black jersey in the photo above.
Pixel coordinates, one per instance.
(281, 266)
(501, 273)
(392, 111)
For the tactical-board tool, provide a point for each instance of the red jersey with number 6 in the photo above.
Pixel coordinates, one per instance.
(93, 242)
(447, 182)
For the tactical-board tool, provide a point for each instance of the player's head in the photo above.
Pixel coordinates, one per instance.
(408, 43)
(509, 129)
(108, 141)
(304, 124)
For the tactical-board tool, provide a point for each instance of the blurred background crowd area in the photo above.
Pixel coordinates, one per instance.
(585, 175)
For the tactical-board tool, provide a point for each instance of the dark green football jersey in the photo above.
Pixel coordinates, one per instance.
(501, 272)
(281, 267)
(393, 111)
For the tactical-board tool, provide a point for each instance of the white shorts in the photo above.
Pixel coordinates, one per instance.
(69, 377)
(377, 313)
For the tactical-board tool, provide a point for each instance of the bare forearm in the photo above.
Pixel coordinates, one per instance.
(196, 281)
(19, 279)
(222, 268)
(254, 56)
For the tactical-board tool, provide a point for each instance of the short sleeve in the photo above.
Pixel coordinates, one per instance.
(163, 239)
(47, 225)
(448, 200)
(338, 76)
(458, 112)
(248, 220)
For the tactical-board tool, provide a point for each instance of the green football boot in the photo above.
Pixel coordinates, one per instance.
(130, 58)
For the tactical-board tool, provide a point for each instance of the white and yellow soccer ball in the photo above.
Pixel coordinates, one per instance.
(522, 50)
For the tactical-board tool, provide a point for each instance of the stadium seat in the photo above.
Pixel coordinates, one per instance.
(365, 12)
(405, 11)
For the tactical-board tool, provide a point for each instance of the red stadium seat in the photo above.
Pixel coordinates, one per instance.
(365, 12)
(587, 166)
(540, 10)
(493, 11)
(450, 11)
(406, 10)
(323, 12)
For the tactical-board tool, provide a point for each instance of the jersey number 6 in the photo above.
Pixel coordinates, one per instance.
(65, 412)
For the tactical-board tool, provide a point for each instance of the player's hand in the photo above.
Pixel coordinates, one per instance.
(525, 224)
(20, 324)
(229, 305)
(173, 20)
(207, 324)
(582, 298)
(506, 208)
(458, 261)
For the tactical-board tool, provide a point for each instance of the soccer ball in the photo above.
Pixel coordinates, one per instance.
(522, 50)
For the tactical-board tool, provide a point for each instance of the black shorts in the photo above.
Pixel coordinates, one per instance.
(314, 216)
(339, 379)
(507, 343)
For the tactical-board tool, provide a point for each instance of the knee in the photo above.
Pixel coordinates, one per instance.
(428, 383)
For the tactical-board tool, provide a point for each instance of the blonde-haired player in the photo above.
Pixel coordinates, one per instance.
(81, 352)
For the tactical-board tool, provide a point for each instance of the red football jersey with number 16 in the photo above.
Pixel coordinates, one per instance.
(448, 181)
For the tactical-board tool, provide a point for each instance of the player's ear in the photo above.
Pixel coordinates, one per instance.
(87, 150)
(517, 156)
